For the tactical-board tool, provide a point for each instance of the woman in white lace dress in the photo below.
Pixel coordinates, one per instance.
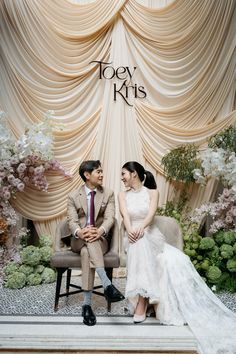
(160, 274)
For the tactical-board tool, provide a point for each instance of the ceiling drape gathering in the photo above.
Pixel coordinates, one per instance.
(184, 54)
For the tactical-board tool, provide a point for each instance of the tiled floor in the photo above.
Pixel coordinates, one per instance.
(39, 300)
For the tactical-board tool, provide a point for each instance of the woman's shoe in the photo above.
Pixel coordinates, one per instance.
(139, 318)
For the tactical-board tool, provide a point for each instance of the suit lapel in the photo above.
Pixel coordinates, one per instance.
(83, 199)
(98, 202)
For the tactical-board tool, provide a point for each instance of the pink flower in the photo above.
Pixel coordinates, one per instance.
(229, 219)
(233, 210)
(10, 178)
(20, 187)
(26, 179)
(14, 160)
(7, 195)
(38, 170)
(21, 168)
(16, 181)
(27, 162)
(226, 193)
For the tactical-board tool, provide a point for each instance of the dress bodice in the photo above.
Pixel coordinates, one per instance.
(137, 203)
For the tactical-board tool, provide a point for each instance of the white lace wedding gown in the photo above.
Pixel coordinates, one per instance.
(158, 270)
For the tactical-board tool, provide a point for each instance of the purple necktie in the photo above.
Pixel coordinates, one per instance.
(92, 221)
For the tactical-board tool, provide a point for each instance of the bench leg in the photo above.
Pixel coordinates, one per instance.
(60, 271)
(68, 277)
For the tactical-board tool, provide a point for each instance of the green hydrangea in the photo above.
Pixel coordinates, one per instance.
(226, 251)
(46, 253)
(31, 255)
(189, 252)
(39, 268)
(26, 269)
(207, 243)
(219, 237)
(45, 240)
(229, 237)
(205, 264)
(48, 275)
(34, 279)
(11, 268)
(16, 280)
(231, 265)
(213, 274)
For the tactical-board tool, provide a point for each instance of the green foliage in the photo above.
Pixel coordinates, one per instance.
(229, 237)
(225, 140)
(30, 255)
(227, 282)
(226, 251)
(34, 267)
(11, 268)
(179, 163)
(26, 269)
(48, 275)
(34, 279)
(213, 257)
(219, 237)
(207, 243)
(16, 280)
(45, 240)
(213, 274)
(46, 253)
(231, 265)
(39, 268)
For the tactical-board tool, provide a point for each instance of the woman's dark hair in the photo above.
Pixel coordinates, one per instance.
(88, 166)
(146, 176)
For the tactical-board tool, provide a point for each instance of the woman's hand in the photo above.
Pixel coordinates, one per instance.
(139, 232)
(136, 234)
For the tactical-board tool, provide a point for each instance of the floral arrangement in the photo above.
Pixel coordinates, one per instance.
(179, 163)
(24, 162)
(214, 256)
(33, 266)
(222, 211)
(219, 159)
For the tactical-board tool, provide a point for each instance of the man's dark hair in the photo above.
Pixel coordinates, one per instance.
(88, 166)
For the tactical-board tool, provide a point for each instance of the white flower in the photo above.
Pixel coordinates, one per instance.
(20, 186)
(21, 168)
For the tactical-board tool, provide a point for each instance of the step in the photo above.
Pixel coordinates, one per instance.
(112, 334)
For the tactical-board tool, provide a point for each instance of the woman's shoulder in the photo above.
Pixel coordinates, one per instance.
(121, 194)
(152, 192)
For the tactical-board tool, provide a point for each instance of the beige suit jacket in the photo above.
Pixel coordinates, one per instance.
(77, 209)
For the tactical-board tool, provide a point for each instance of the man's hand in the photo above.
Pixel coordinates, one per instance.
(89, 234)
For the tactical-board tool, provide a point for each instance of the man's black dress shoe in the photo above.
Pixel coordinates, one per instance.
(112, 294)
(88, 315)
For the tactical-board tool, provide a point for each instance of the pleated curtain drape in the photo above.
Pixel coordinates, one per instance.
(184, 54)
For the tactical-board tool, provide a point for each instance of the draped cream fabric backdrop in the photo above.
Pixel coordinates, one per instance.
(185, 56)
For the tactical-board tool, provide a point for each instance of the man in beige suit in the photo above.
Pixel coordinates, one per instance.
(91, 214)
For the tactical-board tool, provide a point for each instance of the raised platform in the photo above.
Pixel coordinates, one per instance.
(68, 334)
(28, 324)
